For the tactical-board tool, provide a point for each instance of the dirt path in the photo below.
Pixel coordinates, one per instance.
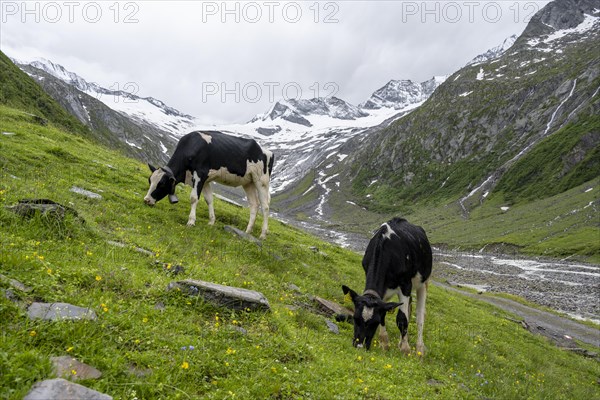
(549, 322)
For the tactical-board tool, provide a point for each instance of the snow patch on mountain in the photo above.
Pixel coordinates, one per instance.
(589, 22)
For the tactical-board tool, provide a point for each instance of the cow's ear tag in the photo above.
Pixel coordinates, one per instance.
(173, 199)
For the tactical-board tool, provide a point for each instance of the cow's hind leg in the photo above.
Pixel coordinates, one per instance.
(421, 298)
(264, 196)
(208, 197)
(252, 196)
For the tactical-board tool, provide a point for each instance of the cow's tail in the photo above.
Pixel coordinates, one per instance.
(271, 162)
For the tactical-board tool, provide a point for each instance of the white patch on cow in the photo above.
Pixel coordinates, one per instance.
(207, 138)
(389, 231)
(154, 180)
(254, 172)
(367, 314)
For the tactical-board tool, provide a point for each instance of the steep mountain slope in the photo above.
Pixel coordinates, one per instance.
(145, 110)
(147, 132)
(136, 138)
(17, 90)
(477, 133)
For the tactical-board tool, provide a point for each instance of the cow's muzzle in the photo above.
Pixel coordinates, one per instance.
(149, 201)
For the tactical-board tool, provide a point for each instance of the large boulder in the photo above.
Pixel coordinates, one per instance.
(221, 295)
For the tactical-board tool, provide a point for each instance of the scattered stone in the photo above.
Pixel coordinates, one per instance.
(62, 389)
(227, 200)
(221, 295)
(86, 193)
(15, 284)
(139, 372)
(239, 329)
(135, 248)
(331, 308)
(30, 207)
(59, 311)
(37, 119)
(332, 327)
(316, 250)
(8, 133)
(10, 295)
(242, 234)
(116, 244)
(172, 269)
(160, 306)
(294, 288)
(479, 288)
(435, 382)
(72, 369)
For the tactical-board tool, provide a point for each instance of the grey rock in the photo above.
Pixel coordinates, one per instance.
(331, 308)
(16, 284)
(138, 371)
(59, 311)
(86, 193)
(242, 234)
(70, 368)
(294, 288)
(30, 207)
(332, 327)
(221, 295)
(63, 390)
(227, 200)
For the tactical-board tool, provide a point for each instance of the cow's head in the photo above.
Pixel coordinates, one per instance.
(369, 313)
(162, 183)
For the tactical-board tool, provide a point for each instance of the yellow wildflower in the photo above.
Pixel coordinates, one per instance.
(185, 365)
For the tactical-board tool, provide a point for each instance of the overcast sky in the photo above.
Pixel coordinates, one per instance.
(224, 62)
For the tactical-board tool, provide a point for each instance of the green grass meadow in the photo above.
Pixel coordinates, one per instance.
(152, 343)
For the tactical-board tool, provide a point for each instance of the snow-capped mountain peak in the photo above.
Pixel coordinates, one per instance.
(494, 52)
(298, 111)
(146, 109)
(398, 94)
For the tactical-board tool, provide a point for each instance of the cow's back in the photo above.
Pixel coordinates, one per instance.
(401, 249)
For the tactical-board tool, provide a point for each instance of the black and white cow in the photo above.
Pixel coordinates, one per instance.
(398, 259)
(205, 156)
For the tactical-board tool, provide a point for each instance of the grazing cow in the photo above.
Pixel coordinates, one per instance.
(206, 156)
(397, 259)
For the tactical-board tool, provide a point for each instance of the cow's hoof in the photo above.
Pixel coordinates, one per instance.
(191, 223)
(405, 348)
(421, 350)
(263, 237)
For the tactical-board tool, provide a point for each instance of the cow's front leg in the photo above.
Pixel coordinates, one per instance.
(208, 197)
(197, 184)
(402, 322)
(194, 203)
(384, 338)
